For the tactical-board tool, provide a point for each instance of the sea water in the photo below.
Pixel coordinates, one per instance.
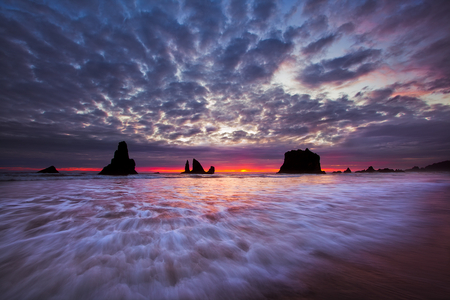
(225, 236)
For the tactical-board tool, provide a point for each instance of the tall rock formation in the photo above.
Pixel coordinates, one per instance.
(197, 168)
(186, 167)
(121, 164)
(50, 169)
(301, 162)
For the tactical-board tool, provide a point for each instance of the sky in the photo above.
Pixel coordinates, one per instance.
(234, 84)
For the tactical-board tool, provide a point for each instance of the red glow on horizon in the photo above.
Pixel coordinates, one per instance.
(81, 169)
(222, 169)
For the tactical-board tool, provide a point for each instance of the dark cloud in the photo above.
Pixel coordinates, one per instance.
(238, 9)
(313, 6)
(367, 8)
(295, 32)
(351, 59)
(320, 44)
(263, 60)
(340, 69)
(264, 9)
(168, 76)
(348, 27)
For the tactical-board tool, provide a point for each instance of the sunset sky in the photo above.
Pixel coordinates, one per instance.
(234, 84)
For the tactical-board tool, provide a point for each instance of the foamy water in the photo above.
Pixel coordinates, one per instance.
(212, 237)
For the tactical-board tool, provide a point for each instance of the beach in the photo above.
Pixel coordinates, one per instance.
(225, 236)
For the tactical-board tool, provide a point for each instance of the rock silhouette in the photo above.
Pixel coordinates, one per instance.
(440, 166)
(368, 170)
(197, 168)
(443, 166)
(301, 162)
(385, 170)
(121, 164)
(348, 170)
(415, 169)
(50, 169)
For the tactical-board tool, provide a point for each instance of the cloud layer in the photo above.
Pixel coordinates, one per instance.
(231, 81)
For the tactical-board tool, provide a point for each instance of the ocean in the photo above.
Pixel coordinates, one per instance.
(225, 236)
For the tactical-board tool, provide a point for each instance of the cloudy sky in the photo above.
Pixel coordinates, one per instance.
(232, 83)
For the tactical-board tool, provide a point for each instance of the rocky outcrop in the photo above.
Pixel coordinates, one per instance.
(415, 169)
(301, 162)
(443, 166)
(440, 166)
(121, 164)
(348, 170)
(197, 168)
(385, 170)
(50, 169)
(368, 170)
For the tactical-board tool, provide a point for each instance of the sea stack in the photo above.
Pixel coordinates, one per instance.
(197, 168)
(348, 170)
(121, 164)
(50, 169)
(301, 162)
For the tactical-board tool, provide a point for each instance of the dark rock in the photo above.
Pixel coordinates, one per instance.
(386, 170)
(211, 170)
(197, 168)
(301, 162)
(348, 170)
(369, 170)
(415, 169)
(51, 169)
(337, 172)
(186, 167)
(440, 166)
(121, 164)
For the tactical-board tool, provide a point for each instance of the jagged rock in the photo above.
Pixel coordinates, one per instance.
(369, 170)
(348, 170)
(186, 167)
(50, 169)
(301, 162)
(121, 164)
(197, 168)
